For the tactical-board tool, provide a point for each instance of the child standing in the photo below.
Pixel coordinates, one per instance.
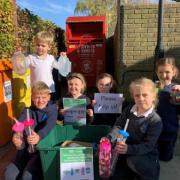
(104, 84)
(76, 87)
(41, 63)
(138, 156)
(167, 71)
(26, 165)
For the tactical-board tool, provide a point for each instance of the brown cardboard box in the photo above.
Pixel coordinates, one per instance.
(69, 143)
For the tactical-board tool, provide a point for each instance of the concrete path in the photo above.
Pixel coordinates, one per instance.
(170, 170)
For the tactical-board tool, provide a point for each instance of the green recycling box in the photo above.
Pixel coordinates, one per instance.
(49, 147)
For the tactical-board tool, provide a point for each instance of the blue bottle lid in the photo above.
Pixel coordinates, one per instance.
(124, 133)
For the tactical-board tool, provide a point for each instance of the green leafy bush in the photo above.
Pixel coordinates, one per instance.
(7, 30)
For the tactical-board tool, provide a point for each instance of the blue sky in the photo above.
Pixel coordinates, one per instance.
(54, 10)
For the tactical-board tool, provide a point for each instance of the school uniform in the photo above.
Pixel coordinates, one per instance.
(169, 115)
(141, 159)
(26, 165)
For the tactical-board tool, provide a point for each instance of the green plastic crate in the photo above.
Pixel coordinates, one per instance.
(49, 147)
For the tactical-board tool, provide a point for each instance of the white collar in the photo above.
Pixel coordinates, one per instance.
(145, 114)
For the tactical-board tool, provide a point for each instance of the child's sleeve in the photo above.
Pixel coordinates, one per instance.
(51, 121)
(55, 64)
(60, 106)
(23, 115)
(150, 139)
(89, 106)
(28, 61)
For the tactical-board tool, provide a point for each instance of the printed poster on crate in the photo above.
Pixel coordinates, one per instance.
(108, 103)
(75, 111)
(7, 90)
(76, 163)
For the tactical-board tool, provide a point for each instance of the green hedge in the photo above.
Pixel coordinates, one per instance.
(7, 30)
(28, 25)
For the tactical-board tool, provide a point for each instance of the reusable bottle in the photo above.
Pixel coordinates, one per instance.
(122, 136)
(19, 63)
(29, 123)
(105, 158)
(18, 129)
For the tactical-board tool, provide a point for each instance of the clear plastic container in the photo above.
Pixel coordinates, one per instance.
(29, 126)
(105, 158)
(18, 63)
(64, 65)
(122, 136)
(18, 128)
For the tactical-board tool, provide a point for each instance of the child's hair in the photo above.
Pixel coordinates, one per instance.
(40, 87)
(144, 81)
(167, 60)
(104, 75)
(44, 36)
(79, 76)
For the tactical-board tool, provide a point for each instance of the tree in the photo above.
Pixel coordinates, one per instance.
(98, 8)
(7, 30)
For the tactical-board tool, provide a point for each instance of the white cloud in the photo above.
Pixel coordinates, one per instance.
(57, 7)
(23, 4)
(53, 8)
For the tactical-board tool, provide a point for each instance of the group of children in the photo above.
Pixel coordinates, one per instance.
(153, 121)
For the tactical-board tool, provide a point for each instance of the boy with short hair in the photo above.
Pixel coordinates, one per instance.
(41, 63)
(26, 165)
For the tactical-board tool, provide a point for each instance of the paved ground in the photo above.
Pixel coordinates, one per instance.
(6, 154)
(169, 170)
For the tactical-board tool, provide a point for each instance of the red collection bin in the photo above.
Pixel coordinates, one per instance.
(86, 45)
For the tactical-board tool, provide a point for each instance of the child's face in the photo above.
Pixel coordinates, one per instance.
(166, 73)
(42, 48)
(104, 85)
(75, 87)
(144, 97)
(40, 99)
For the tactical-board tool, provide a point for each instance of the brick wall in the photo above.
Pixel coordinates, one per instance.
(138, 35)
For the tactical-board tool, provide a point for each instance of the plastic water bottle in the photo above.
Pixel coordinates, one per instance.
(122, 136)
(18, 63)
(29, 123)
(18, 128)
(105, 158)
(64, 65)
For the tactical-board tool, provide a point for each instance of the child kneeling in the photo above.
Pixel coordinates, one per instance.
(28, 165)
(138, 156)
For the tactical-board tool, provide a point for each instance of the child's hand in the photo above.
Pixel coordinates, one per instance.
(93, 102)
(34, 138)
(121, 147)
(90, 112)
(104, 139)
(61, 111)
(176, 88)
(17, 141)
(62, 53)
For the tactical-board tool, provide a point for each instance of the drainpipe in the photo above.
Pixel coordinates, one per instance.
(159, 50)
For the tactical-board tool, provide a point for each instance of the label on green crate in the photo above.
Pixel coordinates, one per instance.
(75, 111)
(76, 163)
